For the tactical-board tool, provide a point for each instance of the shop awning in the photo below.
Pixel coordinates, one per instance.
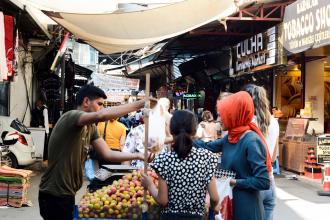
(118, 32)
(41, 20)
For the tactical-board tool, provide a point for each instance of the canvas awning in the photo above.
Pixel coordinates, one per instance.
(41, 20)
(118, 32)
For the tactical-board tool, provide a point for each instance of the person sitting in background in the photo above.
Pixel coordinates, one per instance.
(206, 130)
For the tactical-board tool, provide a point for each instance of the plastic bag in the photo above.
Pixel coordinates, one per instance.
(90, 167)
(225, 192)
(156, 129)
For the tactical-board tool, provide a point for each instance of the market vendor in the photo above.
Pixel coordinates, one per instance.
(74, 135)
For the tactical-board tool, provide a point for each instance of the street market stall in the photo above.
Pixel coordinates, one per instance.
(122, 199)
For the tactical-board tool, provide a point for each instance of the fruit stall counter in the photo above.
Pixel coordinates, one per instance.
(122, 199)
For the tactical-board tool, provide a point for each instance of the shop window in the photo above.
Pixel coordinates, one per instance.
(289, 96)
(4, 99)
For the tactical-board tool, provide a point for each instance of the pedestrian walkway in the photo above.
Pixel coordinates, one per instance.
(298, 200)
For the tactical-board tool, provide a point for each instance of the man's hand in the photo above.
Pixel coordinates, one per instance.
(153, 101)
(151, 157)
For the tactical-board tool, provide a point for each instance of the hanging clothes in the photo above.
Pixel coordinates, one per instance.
(3, 60)
(9, 42)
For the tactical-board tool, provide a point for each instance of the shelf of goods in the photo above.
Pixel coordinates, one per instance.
(312, 168)
(122, 199)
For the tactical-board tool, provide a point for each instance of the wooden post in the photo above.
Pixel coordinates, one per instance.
(146, 136)
(63, 83)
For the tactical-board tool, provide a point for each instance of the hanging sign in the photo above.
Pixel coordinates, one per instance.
(323, 149)
(306, 25)
(107, 82)
(256, 52)
(192, 95)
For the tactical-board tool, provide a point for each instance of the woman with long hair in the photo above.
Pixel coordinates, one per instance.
(270, 129)
(185, 173)
(207, 130)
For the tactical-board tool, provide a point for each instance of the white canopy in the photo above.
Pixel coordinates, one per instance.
(118, 32)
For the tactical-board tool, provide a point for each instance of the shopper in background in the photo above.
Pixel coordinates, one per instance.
(40, 119)
(270, 129)
(113, 132)
(206, 130)
(135, 144)
(185, 174)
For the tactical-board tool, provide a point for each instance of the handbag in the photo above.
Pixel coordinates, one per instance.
(90, 168)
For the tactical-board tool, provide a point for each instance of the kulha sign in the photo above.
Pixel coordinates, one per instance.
(255, 52)
(306, 25)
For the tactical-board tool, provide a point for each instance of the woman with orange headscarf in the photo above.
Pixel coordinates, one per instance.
(245, 152)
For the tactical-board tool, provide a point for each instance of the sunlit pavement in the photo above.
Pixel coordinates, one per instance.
(298, 200)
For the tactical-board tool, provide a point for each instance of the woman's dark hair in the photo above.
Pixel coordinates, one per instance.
(182, 126)
(91, 92)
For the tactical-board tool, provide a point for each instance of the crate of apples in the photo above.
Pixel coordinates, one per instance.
(120, 200)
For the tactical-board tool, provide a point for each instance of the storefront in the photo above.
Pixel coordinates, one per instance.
(304, 91)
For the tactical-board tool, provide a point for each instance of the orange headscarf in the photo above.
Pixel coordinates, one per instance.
(236, 112)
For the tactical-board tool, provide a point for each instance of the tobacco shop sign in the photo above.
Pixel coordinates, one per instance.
(306, 25)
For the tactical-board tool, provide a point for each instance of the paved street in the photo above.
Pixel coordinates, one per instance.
(296, 200)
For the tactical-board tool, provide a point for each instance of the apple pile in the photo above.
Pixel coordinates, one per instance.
(120, 200)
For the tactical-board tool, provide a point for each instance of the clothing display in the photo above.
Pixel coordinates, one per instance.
(9, 42)
(3, 59)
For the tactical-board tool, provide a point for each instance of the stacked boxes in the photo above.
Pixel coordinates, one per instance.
(312, 168)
